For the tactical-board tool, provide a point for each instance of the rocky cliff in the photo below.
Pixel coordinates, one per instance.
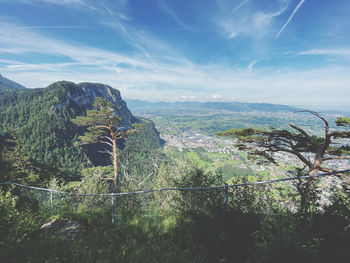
(42, 119)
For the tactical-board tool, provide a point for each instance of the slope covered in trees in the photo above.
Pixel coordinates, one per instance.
(42, 120)
(7, 84)
(9, 91)
(260, 223)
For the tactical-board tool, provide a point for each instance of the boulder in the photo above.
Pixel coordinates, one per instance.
(63, 227)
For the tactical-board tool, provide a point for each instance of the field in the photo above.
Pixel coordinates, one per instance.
(190, 133)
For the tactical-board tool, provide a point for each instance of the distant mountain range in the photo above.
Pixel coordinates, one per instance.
(140, 105)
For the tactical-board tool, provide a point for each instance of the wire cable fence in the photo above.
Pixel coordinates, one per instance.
(50, 201)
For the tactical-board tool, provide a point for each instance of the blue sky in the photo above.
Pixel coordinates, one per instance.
(293, 52)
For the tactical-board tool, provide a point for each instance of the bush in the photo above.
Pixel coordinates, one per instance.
(15, 225)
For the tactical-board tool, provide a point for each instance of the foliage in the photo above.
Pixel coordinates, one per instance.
(298, 238)
(104, 126)
(286, 238)
(343, 121)
(262, 144)
(15, 164)
(42, 121)
(258, 225)
(15, 224)
(91, 180)
(99, 121)
(255, 224)
(192, 202)
(45, 131)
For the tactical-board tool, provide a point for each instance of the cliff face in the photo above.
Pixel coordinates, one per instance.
(80, 97)
(42, 119)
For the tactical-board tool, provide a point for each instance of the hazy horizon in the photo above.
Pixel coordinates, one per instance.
(328, 108)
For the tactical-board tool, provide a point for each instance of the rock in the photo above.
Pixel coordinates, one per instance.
(65, 228)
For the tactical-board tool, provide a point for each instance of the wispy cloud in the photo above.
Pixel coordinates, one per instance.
(53, 27)
(165, 8)
(251, 65)
(249, 21)
(58, 2)
(207, 82)
(129, 37)
(64, 2)
(176, 76)
(18, 40)
(213, 97)
(290, 18)
(239, 5)
(76, 4)
(325, 51)
(185, 97)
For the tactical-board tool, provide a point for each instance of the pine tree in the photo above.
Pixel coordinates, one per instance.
(105, 127)
(313, 151)
(18, 164)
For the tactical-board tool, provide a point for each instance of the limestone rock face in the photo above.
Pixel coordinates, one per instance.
(43, 117)
(81, 97)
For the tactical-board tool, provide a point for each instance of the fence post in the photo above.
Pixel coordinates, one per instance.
(225, 200)
(51, 200)
(112, 209)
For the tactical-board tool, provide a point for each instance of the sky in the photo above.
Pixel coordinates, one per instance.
(294, 52)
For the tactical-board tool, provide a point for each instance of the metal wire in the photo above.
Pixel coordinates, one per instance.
(181, 189)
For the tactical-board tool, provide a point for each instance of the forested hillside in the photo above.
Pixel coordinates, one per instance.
(42, 120)
(41, 144)
(7, 84)
(9, 91)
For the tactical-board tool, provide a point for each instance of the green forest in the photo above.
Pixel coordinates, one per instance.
(42, 145)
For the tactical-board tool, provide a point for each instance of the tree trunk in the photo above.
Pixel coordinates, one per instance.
(115, 163)
(309, 193)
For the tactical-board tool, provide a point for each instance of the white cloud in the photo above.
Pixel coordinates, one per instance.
(323, 86)
(251, 65)
(215, 96)
(165, 8)
(53, 27)
(290, 18)
(64, 2)
(239, 6)
(184, 97)
(249, 21)
(118, 24)
(325, 51)
(57, 2)
(19, 40)
(135, 77)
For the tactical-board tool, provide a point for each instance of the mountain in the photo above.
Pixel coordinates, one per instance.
(9, 91)
(139, 105)
(6, 84)
(42, 119)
